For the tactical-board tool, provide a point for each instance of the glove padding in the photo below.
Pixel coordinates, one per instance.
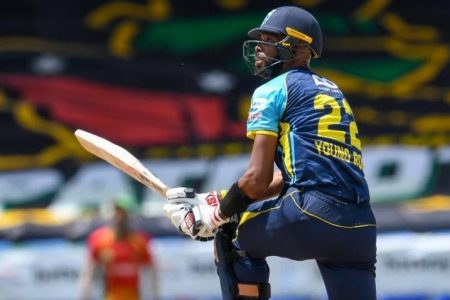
(188, 196)
(200, 222)
(193, 214)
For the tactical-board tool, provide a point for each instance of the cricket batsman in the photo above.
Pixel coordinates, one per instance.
(316, 204)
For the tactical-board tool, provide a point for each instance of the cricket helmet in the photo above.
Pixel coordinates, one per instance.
(293, 22)
(297, 26)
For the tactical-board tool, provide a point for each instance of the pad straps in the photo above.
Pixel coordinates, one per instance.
(253, 291)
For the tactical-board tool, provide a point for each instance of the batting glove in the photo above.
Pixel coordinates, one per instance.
(200, 222)
(187, 195)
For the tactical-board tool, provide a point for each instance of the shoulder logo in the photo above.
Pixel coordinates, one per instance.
(320, 81)
(257, 103)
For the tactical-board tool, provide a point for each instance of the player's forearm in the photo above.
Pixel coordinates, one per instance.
(252, 187)
(262, 191)
(243, 193)
(260, 172)
(275, 187)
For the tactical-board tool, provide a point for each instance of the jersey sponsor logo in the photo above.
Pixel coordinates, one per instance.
(257, 106)
(258, 103)
(325, 84)
(254, 116)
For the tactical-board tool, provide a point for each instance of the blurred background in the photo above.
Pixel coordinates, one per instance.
(165, 79)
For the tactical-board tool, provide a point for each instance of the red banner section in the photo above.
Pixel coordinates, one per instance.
(133, 117)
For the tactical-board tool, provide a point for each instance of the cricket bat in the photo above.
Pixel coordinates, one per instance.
(121, 159)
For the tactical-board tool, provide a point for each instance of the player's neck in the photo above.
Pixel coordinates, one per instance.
(302, 63)
(121, 232)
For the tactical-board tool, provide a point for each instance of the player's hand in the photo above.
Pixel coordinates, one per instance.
(200, 222)
(188, 195)
(188, 221)
(176, 213)
(207, 218)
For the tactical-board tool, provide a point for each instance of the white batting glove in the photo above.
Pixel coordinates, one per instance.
(210, 217)
(188, 196)
(176, 213)
(200, 222)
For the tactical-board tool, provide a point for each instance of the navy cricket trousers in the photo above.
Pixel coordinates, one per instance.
(341, 237)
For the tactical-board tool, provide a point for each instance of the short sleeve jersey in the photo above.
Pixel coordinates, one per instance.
(318, 140)
(121, 260)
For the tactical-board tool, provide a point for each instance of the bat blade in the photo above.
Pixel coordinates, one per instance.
(121, 159)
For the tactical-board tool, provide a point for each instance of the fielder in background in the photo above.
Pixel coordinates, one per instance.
(121, 255)
(303, 123)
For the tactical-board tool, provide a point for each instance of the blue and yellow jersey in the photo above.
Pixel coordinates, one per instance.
(318, 142)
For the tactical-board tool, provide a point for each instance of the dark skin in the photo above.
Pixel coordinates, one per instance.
(259, 180)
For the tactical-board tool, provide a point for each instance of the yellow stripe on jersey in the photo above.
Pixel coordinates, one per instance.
(251, 214)
(286, 146)
(252, 134)
(247, 216)
(324, 220)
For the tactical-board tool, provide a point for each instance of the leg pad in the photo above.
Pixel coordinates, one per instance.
(241, 276)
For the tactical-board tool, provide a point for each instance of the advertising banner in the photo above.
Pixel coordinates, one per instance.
(408, 264)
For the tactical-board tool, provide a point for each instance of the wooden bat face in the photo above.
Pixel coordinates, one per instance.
(121, 159)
